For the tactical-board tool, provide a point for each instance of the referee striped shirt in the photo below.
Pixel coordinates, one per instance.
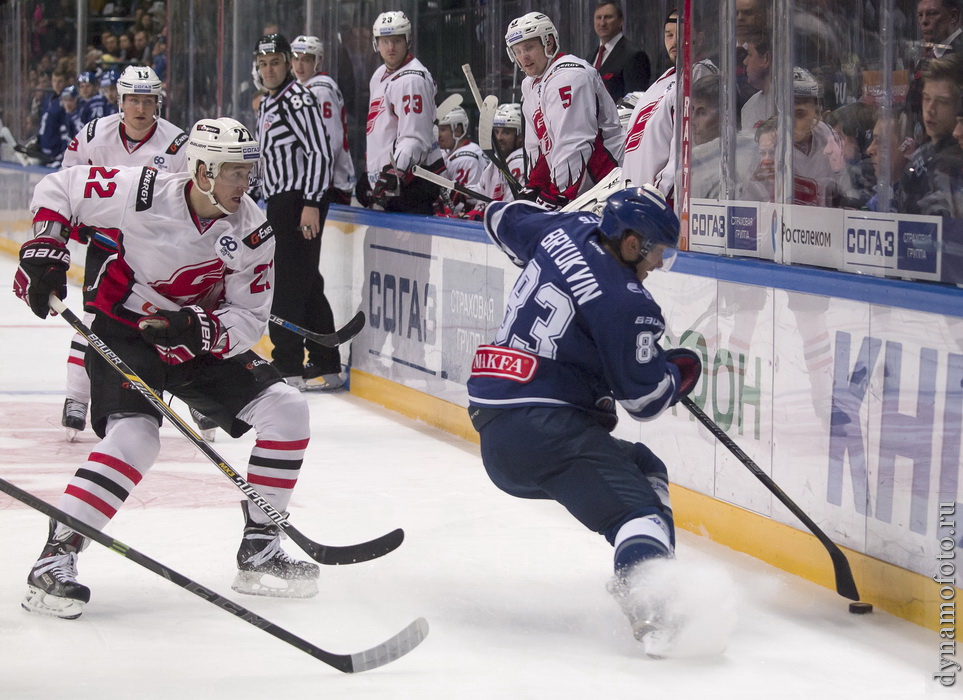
(295, 155)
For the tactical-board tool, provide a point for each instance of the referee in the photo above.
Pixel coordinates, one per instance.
(296, 161)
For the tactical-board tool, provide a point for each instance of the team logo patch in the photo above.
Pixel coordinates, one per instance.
(226, 248)
(208, 127)
(374, 111)
(145, 189)
(504, 363)
(263, 233)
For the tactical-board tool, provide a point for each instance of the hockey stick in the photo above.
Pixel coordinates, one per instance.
(323, 554)
(845, 583)
(447, 184)
(328, 340)
(486, 116)
(386, 652)
(594, 199)
(448, 104)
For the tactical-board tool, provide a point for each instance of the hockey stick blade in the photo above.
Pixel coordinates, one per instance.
(447, 184)
(328, 340)
(448, 104)
(845, 583)
(323, 554)
(486, 116)
(386, 652)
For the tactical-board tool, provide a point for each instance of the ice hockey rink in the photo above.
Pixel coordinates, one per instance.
(514, 591)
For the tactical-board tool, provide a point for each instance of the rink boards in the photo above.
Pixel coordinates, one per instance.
(852, 399)
(852, 403)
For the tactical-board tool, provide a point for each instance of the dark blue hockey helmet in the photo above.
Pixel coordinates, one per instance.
(644, 213)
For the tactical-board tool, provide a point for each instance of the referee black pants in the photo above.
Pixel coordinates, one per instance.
(298, 289)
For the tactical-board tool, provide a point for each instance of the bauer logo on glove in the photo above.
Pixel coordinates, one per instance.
(181, 335)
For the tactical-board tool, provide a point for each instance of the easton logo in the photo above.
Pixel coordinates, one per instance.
(504, 363)
(145, 189)
(374, 111)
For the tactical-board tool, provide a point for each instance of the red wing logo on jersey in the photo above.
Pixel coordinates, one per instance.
(504, 363)
(192, 282)
(375, 109)
(541, 131)
(634, 137)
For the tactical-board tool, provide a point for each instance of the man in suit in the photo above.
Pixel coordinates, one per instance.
(624, 68)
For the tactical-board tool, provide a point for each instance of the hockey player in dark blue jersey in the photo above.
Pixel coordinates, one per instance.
(581, 332)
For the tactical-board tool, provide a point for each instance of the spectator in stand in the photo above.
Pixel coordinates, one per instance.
(87, 84)
(142, 48)
(819, 169)
(623, 67)
(752, 16)
(940, 105)
(125, 49)
(939, 25)
(758, 65)
(159, 57)
(853, 124)
(890, 152)
(70, 99)
(110, 43)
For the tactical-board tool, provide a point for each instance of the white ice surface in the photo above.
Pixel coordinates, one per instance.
(514, 590)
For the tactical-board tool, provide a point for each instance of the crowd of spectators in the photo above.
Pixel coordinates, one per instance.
(62, 96)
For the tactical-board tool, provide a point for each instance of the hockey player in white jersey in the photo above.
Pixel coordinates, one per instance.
(183, 301)
(507, 137)
(307, 53)
(401, 120)
(135, 136)
(572, 132)
(650, 152)
(465, 161)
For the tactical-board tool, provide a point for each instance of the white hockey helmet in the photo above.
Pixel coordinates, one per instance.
(453, 118)
(218, 141)
(306, 44)
(530, 26)
(508, 116)
(139, 80)
(390, 24)
(804, 84)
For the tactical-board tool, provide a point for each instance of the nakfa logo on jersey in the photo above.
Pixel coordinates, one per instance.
(375, 109)
(504, 363)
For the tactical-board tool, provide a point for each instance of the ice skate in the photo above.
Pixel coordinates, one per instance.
(52, 587)
(315, 379)
(263, 568)
(648, 618)
(74, 418)
(205, 426)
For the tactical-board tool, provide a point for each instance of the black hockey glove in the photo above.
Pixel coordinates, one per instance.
(689, 363)
(388, 184)
(337, 196)
(43, 269)
(181, 335)
(529, 194)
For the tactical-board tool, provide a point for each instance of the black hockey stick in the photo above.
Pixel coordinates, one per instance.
(386, 652)
(328, 340)
(447, 184)
(323, 554)
(845, 583)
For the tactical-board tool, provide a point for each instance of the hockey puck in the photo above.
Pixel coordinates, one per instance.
(860, 608)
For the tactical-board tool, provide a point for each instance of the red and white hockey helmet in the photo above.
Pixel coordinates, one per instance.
(508, 116)
(530, 26)
(455, 117)
(390, 24)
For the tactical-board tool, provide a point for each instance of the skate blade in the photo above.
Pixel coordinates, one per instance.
(72, 434)
(38, 601)
(253, 583)
(207, 435)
